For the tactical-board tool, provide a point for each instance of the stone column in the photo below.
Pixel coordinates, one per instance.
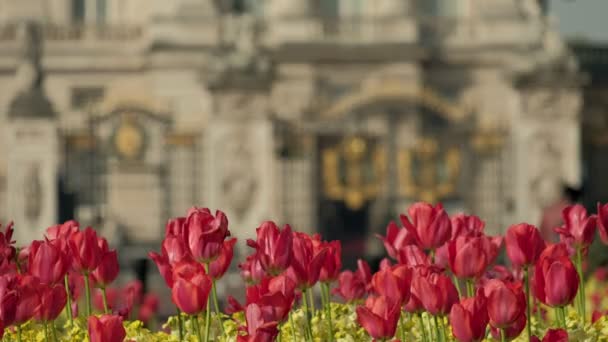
(33, 159)
(32, 142)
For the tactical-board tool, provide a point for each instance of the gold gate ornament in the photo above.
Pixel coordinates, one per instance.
(427, 174)
(353, 172)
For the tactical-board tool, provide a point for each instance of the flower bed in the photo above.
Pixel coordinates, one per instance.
(440, 284)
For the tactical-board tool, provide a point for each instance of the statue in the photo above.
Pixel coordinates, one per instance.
(30, 102)
(238, 54)
(29, 75)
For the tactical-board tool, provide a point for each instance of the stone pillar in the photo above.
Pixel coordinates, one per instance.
(547, 147)
(32, 142)
(240, 168)
(32, 176)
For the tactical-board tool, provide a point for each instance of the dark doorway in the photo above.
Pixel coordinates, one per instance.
(67, 202)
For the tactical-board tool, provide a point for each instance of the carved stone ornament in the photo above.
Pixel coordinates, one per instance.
(553, 103)
(546, 178)
(238, 180)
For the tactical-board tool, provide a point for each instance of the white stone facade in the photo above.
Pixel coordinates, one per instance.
(233, 111)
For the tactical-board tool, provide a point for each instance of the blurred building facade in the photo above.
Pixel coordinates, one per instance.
(331, 115)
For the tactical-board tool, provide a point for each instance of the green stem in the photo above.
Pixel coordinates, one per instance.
(538, 310)
(66, 283)
(54, 331)
(87, 292)
(325, 289)
(309, 336)
(180, 322)
(106, 309)
(444, 331)
(563, 310)
(503, 335)
(457, 284)
(311, 299)
(437, 330)
(19, 332)
(197, 327)
(529, 317)
(581, 286)
(402, 327)
(293, 327)
(470, 288)
(217, 306)
(207, 311)
(422, 328)
(46, 332)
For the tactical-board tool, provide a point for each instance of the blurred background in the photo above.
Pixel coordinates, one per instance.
(330, 115)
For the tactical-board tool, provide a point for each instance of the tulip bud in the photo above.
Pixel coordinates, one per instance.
(85, 250)
(206, 233)
(219, 266)
(524, 244)
(191, 288)
(273, 247)
(506, 303)
(430, 225)
(107, 270)
(379, 316)
(579, 228)
(469, 318)
(556, 281)
(48, 262)
(106, 328)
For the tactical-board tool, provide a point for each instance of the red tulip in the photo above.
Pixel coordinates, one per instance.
(595, 315)
(85, 250)
(273, 247)
(258, 329)
(305, 264)
(7, 248)
(219, 266)
(176, 227)
(396, 239)
(524, 244)
(206, 233)
(107, 270)
(251, 270)
(350, 286)
(148, 307)
(513, 330)
(48, 262)
(465, 225)
(602, 221)
(365, 273)
(29, 299)
(468, 257)
(330, 269)
(62, 231)
(554, 335)
(413, 256)
(379, 316)
(191, 288)
(556, 281)
(8, 298)
(176, 249)
(434, 290)
(469, 318)
(393, 282)
(106, 328)
(164, 268)
(52, 302)
(506, 302)
(578, 226)
(430, 225)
